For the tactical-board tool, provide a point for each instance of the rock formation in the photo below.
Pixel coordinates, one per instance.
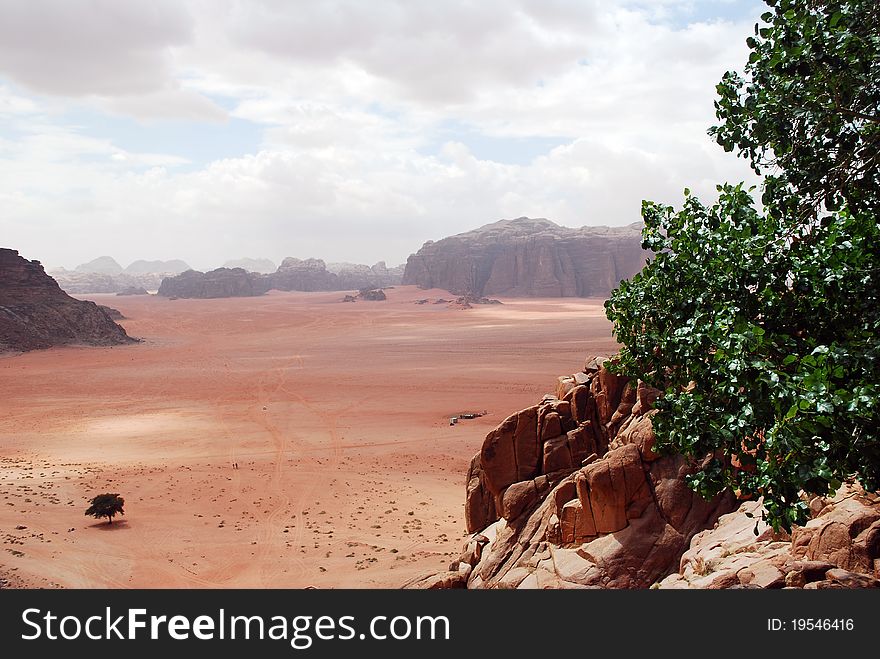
(569, 493)
(304, 275)
(529, 258)
(372, 295)
(262, 266)
(838, 548)
(35, 313)
(315, 275)
(357, 276)
(222, 282)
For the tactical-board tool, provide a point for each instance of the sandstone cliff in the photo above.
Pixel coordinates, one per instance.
(531, 258)
(569, 493)
(304, 275)
(357, 276)
(35, 313)
(222, 282)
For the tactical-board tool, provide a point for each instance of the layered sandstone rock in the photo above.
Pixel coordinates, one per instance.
(569, 493)
(222, 282)
(530, 258)
(35, 313)
(357, 276)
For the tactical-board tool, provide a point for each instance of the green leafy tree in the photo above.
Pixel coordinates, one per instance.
(761, 326)
(106, 505)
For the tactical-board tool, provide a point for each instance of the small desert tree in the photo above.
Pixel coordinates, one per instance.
(106, 505)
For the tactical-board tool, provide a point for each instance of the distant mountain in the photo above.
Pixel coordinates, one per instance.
(103, 265)
(292, 275)
(222, 282)
(263, 266)
(80, 283)
(355, 275)
(529, 257)
(35, 313)
(172, 267)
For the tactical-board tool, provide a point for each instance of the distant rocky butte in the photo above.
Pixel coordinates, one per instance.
(309, 275)
(262, 266)
(222, 282)
(357, 276)
(304, 275)
(529, 258)
(104, 265)
(35, 313)
(569, 493)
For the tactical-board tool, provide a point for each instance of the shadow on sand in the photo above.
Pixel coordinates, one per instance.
(119, 524)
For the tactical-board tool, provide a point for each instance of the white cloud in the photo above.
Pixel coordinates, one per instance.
(366, 113)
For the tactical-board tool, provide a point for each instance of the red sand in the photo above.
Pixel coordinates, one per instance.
(337, 414)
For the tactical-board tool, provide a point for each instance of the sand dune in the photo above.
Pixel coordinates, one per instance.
(337, 415)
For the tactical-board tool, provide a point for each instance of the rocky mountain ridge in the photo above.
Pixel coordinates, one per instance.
(309, 275)
(35, 313)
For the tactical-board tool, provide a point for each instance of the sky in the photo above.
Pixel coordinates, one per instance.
(208, 130)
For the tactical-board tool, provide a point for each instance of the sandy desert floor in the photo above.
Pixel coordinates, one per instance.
(337, 415)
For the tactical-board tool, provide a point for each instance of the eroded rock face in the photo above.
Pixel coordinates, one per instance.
(315, 275)
(35, 313)
(575, 495)
(357, 276)
(303, 275)
(529, 258)
(570, 493)
(222, 282)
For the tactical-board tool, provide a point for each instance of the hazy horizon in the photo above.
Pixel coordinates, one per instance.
(212, 131)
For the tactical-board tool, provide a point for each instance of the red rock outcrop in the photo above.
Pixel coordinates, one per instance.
(35, 313)
(529, 258)
(570, 493)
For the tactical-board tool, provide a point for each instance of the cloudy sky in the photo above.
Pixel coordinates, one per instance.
(213, 129)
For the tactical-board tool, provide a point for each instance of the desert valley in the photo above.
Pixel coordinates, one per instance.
(388, 368)
(349, 473)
